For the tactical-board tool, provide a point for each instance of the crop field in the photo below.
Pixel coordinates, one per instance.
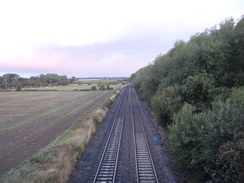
(31, 120)
(70, 87)
(79, 86)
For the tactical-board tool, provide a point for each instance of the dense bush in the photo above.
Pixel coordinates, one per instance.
(166, 103)
(211, 142)
(18, 87)
(93, 88)
(224, 142)
(102, 87)
(196, 91)
(186, 135)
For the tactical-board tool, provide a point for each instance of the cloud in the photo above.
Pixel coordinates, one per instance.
(97, 37)
(121, 57)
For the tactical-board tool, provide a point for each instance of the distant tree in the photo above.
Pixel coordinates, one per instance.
(63, 78)
(22, 80)
(4, 85)
(108, 87)
(26, 84)
(51, 79)
(11, 77)
(34, 84)
(73, 79)
(1, 79)
(93, 88)
(18, 87)
(102, 87)
(43, 78)
(34, 78)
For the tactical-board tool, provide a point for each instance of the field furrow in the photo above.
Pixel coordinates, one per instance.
(30, 120)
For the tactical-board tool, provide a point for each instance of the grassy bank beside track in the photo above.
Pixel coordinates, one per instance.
(54, 163)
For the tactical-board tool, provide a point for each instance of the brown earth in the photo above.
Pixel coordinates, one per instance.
(31, 120)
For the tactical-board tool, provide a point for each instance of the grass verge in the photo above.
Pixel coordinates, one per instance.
(54, 163)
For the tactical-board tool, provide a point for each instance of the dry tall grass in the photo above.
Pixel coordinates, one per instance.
(99, 114)
(55, 162)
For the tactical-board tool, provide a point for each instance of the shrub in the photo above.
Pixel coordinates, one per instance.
(220, 93)
(195, 90)
(108, 87)
(211, 144)
(237, 95)
(166, 104)
(102, 87)
(94, 88)
(18, 87)
(186, 134)
(225, 142)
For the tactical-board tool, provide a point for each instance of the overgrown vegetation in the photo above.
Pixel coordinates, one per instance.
(196, 91)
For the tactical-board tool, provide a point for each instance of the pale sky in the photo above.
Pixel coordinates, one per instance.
(85, 38)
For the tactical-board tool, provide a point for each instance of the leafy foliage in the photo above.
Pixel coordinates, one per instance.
(224, 142)
(11, 80)
(186, 134)
(18, 87)
(166, 103)
(196, 90)
(94, 88)
(211, 142)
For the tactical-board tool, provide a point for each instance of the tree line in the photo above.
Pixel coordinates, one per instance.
(12, 80)
(196, 92)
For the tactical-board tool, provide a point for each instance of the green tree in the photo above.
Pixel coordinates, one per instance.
(73, 79)
(207, 132)
(93, 88)
(196, 91)
(102, 87)
(18, 87)
(10, 78)
(186, 134)
(224, 142)
(166, 103)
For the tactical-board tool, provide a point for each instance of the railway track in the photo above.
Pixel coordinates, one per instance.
(107, 168)
(145, 170)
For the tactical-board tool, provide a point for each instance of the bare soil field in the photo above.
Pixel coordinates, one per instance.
(31, 120)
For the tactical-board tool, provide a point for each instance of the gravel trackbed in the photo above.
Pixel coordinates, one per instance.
(126, 168)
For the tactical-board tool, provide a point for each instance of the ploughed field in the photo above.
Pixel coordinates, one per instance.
(31, 120)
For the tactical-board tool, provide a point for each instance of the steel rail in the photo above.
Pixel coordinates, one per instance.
(110, 139)
(134, 140)
(143, 173)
